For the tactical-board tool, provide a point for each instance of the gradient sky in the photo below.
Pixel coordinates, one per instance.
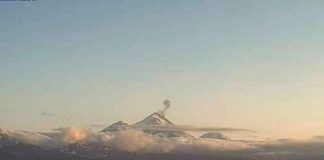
(248, 64)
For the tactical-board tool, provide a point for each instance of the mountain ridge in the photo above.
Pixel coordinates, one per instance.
(155, 119)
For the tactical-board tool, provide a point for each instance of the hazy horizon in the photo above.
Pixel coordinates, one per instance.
(250, 64)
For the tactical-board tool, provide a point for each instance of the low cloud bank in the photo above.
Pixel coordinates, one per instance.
(129, 140)
(189, 128)
(290, 149)
(137, 141)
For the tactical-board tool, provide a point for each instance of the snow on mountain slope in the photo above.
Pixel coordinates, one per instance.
(215, 135)
(154, 119)
(118, 126)
(10, 136)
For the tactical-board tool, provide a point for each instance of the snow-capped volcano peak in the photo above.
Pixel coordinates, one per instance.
(215, 135)
(147, 125)
(154, 119)
(118, 126)
(157, 119)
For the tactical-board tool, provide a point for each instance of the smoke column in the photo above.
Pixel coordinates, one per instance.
(167, 105)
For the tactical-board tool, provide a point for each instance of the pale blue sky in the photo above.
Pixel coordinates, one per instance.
(254, 64)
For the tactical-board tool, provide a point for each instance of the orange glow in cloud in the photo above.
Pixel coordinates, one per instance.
(74, 135)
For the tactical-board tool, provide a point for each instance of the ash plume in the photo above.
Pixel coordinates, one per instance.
(167, 105)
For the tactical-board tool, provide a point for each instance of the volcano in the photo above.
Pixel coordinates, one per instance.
(118, 126)
(153, 120)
